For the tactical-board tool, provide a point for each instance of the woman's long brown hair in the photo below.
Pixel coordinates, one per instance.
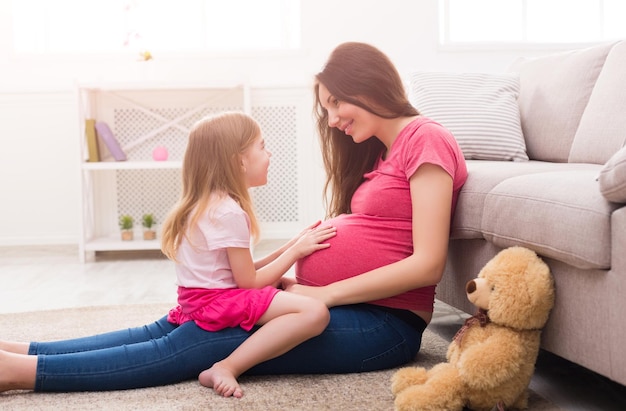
(359, 74)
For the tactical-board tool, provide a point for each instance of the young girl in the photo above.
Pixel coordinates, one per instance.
(208, 235)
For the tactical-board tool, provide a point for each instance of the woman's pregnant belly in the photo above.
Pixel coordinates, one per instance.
(362, 243)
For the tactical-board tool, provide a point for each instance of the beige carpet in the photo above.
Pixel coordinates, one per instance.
(367, 391)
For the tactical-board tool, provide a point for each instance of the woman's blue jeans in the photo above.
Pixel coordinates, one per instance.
(359, 338)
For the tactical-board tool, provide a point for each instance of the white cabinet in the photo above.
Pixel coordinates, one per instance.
(145, 116)
(142, 117)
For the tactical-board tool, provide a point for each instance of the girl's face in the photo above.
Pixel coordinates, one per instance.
(353, 120)
(256, 161)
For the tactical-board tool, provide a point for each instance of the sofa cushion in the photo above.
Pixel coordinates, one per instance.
(479, 109)
(612, 178)
(482, 177)
(604, 119)
(554, 92)
(559, 214)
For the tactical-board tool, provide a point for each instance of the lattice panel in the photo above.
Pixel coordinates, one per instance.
(142, 192)
(130, 123)
(156, 191)
(277, 201)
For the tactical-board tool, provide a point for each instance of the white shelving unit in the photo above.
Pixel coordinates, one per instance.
(142, 116)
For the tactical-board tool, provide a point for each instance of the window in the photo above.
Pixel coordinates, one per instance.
(531, 21)
(111, 26)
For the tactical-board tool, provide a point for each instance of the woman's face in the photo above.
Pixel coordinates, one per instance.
(353, 120)
(256, 162)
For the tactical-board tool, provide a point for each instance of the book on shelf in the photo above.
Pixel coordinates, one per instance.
(108, 138)
(93, 152)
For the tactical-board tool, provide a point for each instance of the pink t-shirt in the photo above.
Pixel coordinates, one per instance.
(203, 262)
(378, 232)
(207, 292)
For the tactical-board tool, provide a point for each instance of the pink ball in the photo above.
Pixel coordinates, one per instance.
(159, 154)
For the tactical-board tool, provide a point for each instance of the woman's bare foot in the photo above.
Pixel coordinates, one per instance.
(222, 381)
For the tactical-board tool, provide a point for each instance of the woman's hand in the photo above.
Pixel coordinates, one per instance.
(319, 293)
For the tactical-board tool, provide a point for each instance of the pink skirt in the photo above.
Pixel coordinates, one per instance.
(216, 309)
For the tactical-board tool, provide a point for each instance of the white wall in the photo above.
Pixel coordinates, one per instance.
(39, 174)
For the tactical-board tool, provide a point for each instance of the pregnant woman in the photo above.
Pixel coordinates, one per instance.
(393, 177)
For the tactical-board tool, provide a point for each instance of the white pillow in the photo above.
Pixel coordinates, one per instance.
(479, 109)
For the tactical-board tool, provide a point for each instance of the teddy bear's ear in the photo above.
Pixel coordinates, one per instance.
(523, 293)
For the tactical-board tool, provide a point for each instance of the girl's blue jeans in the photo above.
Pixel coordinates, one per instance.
(359, 338)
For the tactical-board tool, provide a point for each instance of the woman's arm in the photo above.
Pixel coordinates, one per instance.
(247, 276)
(431, 196)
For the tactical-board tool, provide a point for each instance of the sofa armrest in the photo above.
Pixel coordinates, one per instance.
(612, 178)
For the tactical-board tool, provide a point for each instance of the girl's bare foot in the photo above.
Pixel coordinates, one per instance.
(221, 380)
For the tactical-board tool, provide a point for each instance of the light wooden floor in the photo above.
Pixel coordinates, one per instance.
(50, 277)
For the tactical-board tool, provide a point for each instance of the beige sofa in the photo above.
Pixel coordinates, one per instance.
(566, 202)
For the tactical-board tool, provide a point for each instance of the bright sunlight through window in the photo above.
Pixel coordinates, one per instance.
(117, 26)
(531, 21)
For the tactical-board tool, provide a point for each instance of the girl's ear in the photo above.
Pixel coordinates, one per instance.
(242, 162)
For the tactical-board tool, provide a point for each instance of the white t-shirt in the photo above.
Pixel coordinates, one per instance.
(204, 262)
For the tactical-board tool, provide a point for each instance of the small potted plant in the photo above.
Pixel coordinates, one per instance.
(148, 221)
(126, 225)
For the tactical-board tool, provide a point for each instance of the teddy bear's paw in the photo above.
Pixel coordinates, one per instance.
(406, 377)
(425, 398)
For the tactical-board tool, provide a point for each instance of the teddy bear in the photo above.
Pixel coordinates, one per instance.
(491, 359)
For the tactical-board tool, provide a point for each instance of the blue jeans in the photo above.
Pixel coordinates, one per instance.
(359, 338)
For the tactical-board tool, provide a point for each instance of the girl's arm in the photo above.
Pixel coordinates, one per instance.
(431, 195)
(274, 254)
(247, 276)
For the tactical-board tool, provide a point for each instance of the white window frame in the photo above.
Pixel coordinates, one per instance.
(286, 34)
(445, 41)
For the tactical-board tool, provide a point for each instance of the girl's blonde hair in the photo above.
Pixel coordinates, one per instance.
(212, 168)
